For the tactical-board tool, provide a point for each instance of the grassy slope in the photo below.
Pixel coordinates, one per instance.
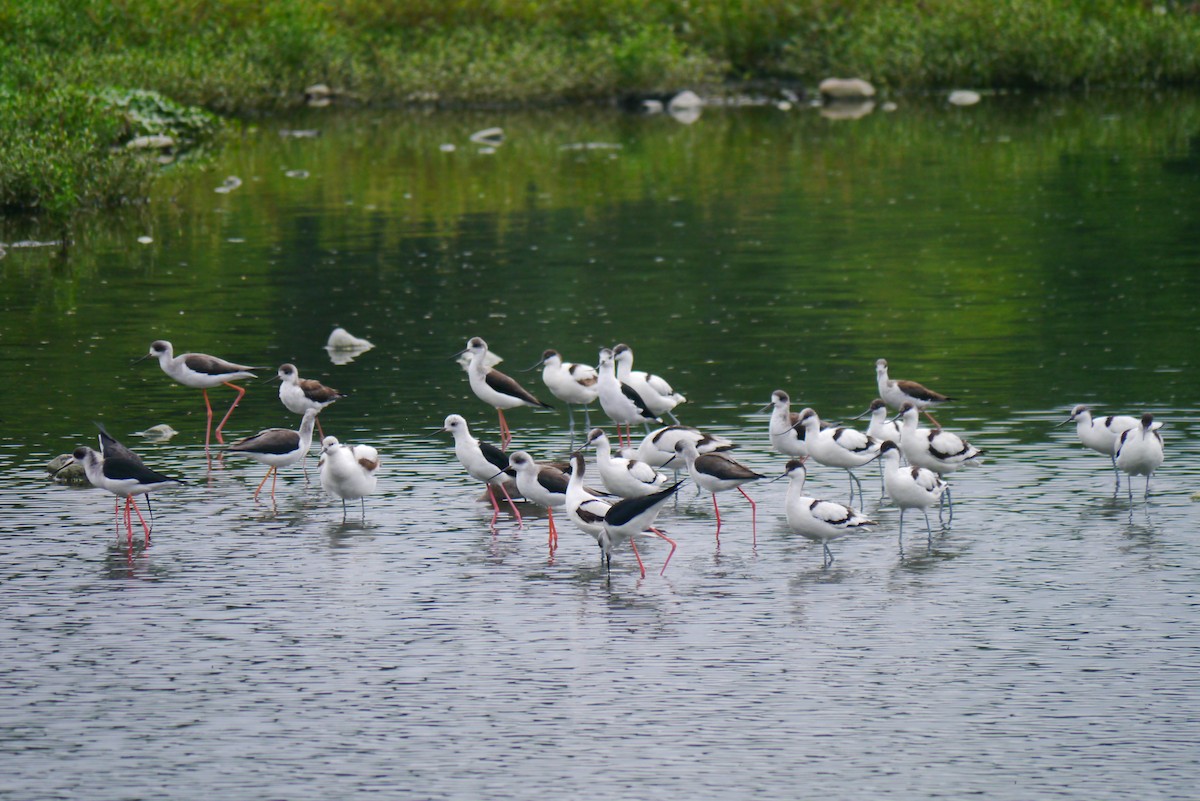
(245, 55)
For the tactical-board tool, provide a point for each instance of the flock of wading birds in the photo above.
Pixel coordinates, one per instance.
(915, 460)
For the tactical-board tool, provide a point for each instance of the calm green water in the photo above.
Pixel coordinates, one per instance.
(1022, 255)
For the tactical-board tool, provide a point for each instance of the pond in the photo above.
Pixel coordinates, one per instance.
(1023, 255)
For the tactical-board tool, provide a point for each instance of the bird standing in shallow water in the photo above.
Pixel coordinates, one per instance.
(881, 428)
(484, 462)
(595, 516)
(658, 395)
(628, 478)
(841, 447)
(716, 472)
(784, 428)
(203, 372)
(542, 484)
(897, 392)
(122, 477)
(621, 402)
(934, 449)
(111, 448)
(573, 383)
(910, 487)
(1140, 452)
(1101, 434)
(631, 517)
(495, 388)
(299, 395)
(276, 448)
(817, 520)
(348, 471)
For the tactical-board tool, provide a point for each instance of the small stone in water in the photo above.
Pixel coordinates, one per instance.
(72, 473)
(832, 89)
(963, 97)
(158, 142)
(489, 136)
(162, 431)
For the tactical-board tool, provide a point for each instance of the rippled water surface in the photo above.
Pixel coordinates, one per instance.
(1023, 255)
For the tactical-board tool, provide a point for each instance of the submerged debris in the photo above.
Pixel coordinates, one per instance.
(159, 433)
(843, 89)
(152, 142)
(344, 346)
(65, 470)
(492, 137)
(228, 185)
(685, 107)
(318, 95)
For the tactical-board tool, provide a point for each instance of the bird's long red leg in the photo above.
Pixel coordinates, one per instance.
(236, 401)
(208, 425)
(930, 416)
(264, 481)
(320, 430)
(505, 434)
(141, 519)
(128, 521)
(637, 556)
(495, 505)
(553, 541)
(667, 561)
(753, 515)
(274, 478)
(718, 511)
(511, 505)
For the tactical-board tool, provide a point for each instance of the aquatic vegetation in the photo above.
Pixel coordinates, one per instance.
(238, 56)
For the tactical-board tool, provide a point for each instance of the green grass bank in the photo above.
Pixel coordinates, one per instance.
(68, 68)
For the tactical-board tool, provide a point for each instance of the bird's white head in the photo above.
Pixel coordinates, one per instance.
(687, 449)
(521, 461)
(454, 424)
(288, 373)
